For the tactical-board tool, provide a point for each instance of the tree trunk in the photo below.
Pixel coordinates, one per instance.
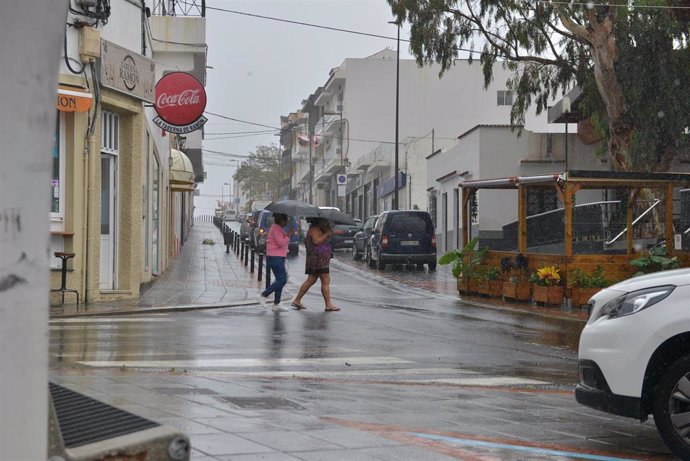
(604, 54)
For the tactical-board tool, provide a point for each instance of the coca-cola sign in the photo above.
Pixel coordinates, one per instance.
(180, 103)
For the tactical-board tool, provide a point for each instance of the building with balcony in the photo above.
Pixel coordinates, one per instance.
(355, 122)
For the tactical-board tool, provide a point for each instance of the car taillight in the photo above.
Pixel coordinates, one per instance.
(433, 241)
(384, 241)
(339, 232)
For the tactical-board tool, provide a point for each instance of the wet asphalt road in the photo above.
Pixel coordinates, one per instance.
(405, 363)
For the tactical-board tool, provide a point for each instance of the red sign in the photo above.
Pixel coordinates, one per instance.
(180, 99)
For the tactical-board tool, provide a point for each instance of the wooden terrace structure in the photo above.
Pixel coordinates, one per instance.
(616, 266)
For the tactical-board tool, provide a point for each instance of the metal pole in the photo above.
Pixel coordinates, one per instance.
(396, 204)
(311, 169)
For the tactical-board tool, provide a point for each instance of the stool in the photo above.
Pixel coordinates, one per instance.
(63, 285)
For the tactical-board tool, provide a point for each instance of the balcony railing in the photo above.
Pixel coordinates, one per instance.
(179, 8)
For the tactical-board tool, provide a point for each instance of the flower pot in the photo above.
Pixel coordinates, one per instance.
(517, 291)
(548, 295)
(580, 296)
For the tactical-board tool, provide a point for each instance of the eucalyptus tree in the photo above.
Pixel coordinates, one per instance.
(630, 58)
(259, 176)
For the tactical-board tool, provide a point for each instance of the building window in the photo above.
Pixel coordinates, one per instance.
(57, 180)
(504, 98)
(432, 208)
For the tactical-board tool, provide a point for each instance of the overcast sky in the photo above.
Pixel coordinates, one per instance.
(263, 68)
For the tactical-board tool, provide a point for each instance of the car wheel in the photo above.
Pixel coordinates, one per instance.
(356, 255)
(432, 266)
(672, 406)
(380, 265)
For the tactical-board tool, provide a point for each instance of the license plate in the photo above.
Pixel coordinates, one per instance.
(348, 241)
(409, 243)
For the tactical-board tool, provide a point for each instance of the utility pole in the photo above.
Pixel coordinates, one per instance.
(27, 128)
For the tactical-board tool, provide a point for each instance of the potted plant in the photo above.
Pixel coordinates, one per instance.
(547, 288)
(586, 285)
(490, 283)
(516, 287)
(655, 260)
(465, 263)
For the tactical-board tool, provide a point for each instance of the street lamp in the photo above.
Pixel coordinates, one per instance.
(397, 113)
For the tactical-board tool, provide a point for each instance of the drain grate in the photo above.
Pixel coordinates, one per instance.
(84, 420)
(184, 391)
(262, 403)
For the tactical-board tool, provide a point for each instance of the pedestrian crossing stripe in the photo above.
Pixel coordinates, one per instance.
(245, 362)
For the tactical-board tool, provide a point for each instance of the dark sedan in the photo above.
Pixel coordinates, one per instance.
(344, 235)
(361, 237)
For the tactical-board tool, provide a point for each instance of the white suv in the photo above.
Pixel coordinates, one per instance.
(634, 357)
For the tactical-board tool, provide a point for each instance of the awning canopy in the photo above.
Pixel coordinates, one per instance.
(181, 172)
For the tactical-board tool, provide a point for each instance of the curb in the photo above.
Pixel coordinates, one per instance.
(153, 310)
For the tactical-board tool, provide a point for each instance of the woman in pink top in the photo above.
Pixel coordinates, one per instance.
(276, 252)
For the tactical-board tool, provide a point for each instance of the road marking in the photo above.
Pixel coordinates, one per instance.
(236, 363)
(160, 318)
(505, 446)
(484, 381)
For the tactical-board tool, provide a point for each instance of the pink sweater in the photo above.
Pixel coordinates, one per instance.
(277, 241)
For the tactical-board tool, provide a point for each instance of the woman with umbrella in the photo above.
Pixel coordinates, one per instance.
(318, 261)
(276, 253)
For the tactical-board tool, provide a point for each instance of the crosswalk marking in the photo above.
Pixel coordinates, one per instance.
(244, 362)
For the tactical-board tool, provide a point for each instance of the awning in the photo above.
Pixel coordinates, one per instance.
(72, 100)
(181, 172)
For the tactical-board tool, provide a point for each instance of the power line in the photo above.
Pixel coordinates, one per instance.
(241, 121)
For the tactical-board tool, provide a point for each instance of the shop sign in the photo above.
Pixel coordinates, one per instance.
(180, 103)
(72, 101)
(127, 72)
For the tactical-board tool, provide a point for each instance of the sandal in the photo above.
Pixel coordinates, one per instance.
(298, 306)
(332, 309)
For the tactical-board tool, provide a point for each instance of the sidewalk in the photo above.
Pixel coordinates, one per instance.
(205, 276)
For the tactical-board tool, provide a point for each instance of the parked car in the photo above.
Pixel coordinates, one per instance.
(634, 355)
(402, 237)
(253, 221)
(343, 236)
(264, 223)
(362, 237)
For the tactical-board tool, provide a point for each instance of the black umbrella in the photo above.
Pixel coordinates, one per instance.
(293, 208)
(336, 216)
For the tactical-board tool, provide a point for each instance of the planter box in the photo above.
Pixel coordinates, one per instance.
(490, 288)
(463, 285)
(472, 286)
(580, 296)
(517, 291)
(548, 295)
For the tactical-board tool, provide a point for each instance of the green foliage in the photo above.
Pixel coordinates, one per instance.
(260, 173)
(466, 261)
(596, 279)
(636, 97)
(655, 260)
(488, 273)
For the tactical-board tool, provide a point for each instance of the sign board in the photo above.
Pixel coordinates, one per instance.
(341, 179)
(180, 103)
(127, 72)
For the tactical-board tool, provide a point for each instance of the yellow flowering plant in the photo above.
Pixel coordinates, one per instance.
(547, 276)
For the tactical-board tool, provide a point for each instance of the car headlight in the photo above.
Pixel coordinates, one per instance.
(633, 302)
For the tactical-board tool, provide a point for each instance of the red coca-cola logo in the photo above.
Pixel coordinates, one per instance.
(180, 99)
